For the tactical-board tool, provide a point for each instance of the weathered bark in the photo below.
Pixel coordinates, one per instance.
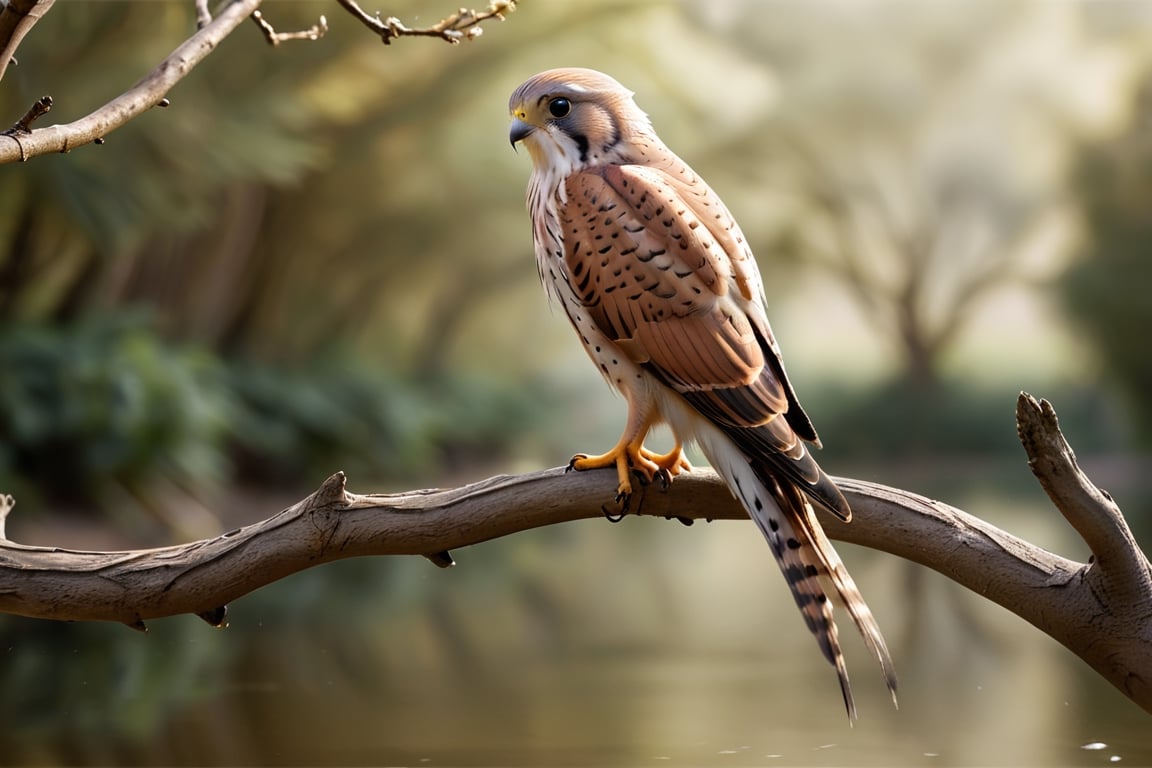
(1101, 610)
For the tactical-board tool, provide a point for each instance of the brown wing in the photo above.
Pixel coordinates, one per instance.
(663, 271)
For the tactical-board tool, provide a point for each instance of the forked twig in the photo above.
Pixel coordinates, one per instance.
(462, 25)
(315, 32)
(203, 15)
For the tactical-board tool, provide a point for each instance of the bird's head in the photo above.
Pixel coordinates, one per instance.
(574, 118)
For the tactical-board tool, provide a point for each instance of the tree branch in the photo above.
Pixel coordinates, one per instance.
(16, 19)
(133, 102)
(203, 15)
(23, 126)
(1101, 610)
(274, 38)
(462, 25)
(6, 504)
(18, 16)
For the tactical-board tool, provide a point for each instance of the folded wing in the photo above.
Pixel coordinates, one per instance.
(663, 269)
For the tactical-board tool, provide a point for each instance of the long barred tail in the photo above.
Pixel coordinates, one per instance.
(805, 556)
(846, 588)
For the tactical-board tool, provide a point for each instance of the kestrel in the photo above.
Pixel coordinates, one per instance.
(664, 292)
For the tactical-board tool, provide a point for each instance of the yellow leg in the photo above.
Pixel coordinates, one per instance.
(625, 455)
(629, 455)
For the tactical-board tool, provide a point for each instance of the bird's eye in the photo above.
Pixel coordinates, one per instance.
(559, 107)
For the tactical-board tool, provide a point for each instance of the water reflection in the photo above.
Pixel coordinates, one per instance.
(643, 643)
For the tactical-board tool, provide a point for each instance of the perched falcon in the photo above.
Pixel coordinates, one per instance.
(660, 285)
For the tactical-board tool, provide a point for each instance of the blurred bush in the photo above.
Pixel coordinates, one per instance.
(86, 406)
(108, 404)
(293, 423)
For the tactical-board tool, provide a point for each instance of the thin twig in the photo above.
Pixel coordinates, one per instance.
(315, 32)
(6, 504)
(203, 15)
(141, 97)
(17, 17)
(38, 109)
(152, 89)
(462, 25)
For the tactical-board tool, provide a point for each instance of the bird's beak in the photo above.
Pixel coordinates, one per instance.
(518, 131)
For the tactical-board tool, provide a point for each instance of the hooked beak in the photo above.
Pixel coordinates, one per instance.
(518, 131)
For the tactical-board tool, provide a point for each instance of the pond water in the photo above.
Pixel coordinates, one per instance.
(590, 644)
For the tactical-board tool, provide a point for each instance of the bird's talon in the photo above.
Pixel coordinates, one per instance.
(664, 477)
(613, 517)
(666, 466)
(572, 462)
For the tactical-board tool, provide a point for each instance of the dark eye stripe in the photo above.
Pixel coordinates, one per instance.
(582, 145)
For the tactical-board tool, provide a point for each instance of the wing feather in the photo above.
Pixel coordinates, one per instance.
(663, 270)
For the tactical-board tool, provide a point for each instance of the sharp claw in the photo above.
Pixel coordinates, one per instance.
(624, 499)
(634, 465)
(613, 517)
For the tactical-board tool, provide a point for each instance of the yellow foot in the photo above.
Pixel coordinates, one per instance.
(634, 457)
(624, 459)
(670, 464)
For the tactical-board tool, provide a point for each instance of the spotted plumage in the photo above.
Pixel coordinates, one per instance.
(656, 278)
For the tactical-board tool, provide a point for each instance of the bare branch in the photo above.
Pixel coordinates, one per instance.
(1118, 562)
(19, 15)
(274, 38)
(38, 109)
(6, 504)
(133, 102)
(16, 19)
(203, 15)
(462, 25)
(1101, 610)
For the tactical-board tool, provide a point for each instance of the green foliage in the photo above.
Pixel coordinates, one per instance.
(107, 402)
(296, 423)
(293, 423)
(103, 402)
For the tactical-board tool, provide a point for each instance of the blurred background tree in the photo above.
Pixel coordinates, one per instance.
(1106, 288)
